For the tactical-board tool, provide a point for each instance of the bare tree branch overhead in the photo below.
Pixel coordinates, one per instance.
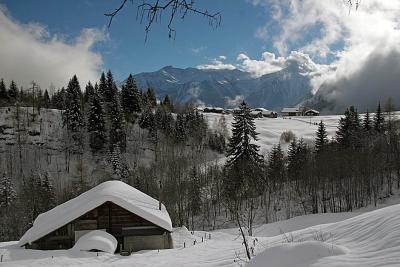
(150, 11)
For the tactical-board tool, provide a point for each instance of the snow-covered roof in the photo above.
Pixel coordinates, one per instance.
(262, 109)
(290, 110)
(312, 110)
(117, 192)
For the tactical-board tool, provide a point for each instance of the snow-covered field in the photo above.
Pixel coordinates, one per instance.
(344, 239)
(270, 130)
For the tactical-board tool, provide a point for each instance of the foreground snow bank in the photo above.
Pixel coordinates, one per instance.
(301, 254)
(96, 241)
(371, 239)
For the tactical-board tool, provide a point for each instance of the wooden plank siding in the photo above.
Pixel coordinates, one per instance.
(107, 216)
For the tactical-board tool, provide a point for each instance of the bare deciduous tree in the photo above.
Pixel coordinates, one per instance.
(150, 11)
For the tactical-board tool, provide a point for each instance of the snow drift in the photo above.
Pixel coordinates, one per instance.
(299, 254)
(96, 240)
(370, 239)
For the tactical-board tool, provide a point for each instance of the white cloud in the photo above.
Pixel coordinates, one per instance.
(269, 63)
(357, 40)
(217, 64)
(29, 52)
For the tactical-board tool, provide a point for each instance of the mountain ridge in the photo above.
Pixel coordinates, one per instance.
(225, 88)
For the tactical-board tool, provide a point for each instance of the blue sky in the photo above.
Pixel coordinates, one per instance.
(125, 50)
(336, 46)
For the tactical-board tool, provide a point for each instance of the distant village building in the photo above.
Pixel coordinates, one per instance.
(136, 220)
(262, 112)
(213, 110)
(311, 112)
(299, 111)
(290, 112)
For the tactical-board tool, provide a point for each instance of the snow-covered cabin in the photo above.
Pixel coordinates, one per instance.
(132, 217)
(311, 112)
(266, 113)
(287, 112)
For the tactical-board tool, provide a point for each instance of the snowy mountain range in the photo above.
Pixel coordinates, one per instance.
(225, 88)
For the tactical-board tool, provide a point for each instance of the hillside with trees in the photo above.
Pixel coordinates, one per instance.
(57, 144)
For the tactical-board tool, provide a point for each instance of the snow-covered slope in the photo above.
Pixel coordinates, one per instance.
(270, 130)
(368, 239)
(117, 192)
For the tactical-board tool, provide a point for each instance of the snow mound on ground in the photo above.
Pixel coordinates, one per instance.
(301, 254)
(96, 241)
(372, 239)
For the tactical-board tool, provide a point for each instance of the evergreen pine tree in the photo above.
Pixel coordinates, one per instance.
(244, 165)
(102, 87)
(118, 164)
(348, 133)
(13, 91)
(276, 165)
(96, 124)
(167, 104)
(322, 137)
(7, 191)
(89, 91)
(3, 91)
(130, 97)
(110, 89)
(367, 122)
(72, 116)
(240, 144)
(379, 120)
(117, 135)
(46, 99)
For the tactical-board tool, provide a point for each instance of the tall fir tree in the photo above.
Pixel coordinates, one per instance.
(244, 166)
(46, 99)
(130, 98)
(167, 104)
(276, 165)
(348, 133)
(102, 87)
(322, 138)
(96, 124)
(244, 132)
(379, 120)
(120, 169)
(72, 116)
(117, 135)
(367, 122)
(3, 91)
(110, 89)
(13, 91)
(89, 91)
